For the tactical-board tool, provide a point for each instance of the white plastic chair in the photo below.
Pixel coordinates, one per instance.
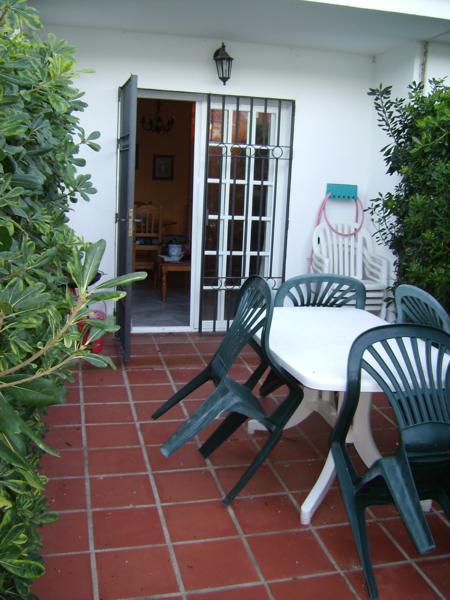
(344, 252)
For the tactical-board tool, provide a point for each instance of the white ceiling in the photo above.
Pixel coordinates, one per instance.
(293, 23)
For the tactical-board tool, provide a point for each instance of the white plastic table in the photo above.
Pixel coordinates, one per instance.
(313, 344)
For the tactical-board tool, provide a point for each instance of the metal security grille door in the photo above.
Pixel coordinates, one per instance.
(247, 180)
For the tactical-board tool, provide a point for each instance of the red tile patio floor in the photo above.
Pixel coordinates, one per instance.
(134, 524)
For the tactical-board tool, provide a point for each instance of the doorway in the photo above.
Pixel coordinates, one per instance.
(232, 159)
(163, 200)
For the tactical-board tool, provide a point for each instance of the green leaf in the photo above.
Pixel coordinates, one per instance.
(98, 360)
(123, 280)
(39, 392)
(27, 569)
(101, 296)
(92, 259)
(5, 239)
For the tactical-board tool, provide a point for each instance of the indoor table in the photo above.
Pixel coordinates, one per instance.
(313, 344)
(171, 266)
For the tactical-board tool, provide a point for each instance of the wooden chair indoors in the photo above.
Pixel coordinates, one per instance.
(147, 239)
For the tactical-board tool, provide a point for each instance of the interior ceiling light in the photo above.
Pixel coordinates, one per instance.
(156, 123)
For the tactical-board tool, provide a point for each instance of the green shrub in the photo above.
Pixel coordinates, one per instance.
(41, 321)
(414, 220)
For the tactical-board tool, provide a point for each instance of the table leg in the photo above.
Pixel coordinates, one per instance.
(164, 285)
(361, 436)
(318, 492)
(361, 432)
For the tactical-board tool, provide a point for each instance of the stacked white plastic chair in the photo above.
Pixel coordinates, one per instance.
(347, 249)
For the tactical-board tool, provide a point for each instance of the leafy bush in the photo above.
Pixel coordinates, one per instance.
(44, 327)
(414, 220)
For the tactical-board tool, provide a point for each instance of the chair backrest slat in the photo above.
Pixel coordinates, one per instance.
(415, 305)
(321, 289)
(411, 365)
(253, 309)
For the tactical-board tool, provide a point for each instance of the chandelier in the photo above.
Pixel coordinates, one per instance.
(156, 123)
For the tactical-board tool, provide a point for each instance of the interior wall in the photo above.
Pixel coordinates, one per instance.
(174, 195)
(332, 122)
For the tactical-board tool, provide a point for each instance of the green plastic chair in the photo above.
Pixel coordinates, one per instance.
(323, 289)
(410, 363)
(415, 305)
(254, 313)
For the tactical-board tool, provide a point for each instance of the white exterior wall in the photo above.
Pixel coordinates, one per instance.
(438, 62)
(333, 114)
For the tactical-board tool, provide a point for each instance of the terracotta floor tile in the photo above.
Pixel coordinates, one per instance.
(440, 531)
(266, 513)
(149, 361)
(213, 564)
(110, 461)
(145, 410)
(66, 494)
(331, 510)
(300, 476)
(63, 438)
(438, 570)
(68, 534)
(180, 375)
(151, 393)
(235, 452)
(192, 361)
(108, 413)
(186, 349)
(147, 376)
(69, 463)
(289, 555)
(200, 393)
(188, 457)
(240, 373)
(65, 414)
(144, 572)
(200, 520)
(67, 577)
(184, 486)
(72, 395)
(293, 448)
(242, 593)
(325, 587)
(127, 527)
(340, 543)
(126, 490)
(124, 512)
(157, 432)
(113, 393)
(263, 482)
(102, 377)
(171, 338)
(394, 582)
(110, 436)
(143, 349)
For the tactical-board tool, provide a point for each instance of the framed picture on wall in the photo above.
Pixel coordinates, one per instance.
(162, 166)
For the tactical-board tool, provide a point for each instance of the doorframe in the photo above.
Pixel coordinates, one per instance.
(198, 181)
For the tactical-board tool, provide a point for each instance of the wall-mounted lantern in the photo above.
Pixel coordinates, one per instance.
(223, 63)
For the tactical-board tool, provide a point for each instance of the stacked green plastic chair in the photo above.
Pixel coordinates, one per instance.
(324, 289)
(253, 315)
(415, 305)
(410, 363)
